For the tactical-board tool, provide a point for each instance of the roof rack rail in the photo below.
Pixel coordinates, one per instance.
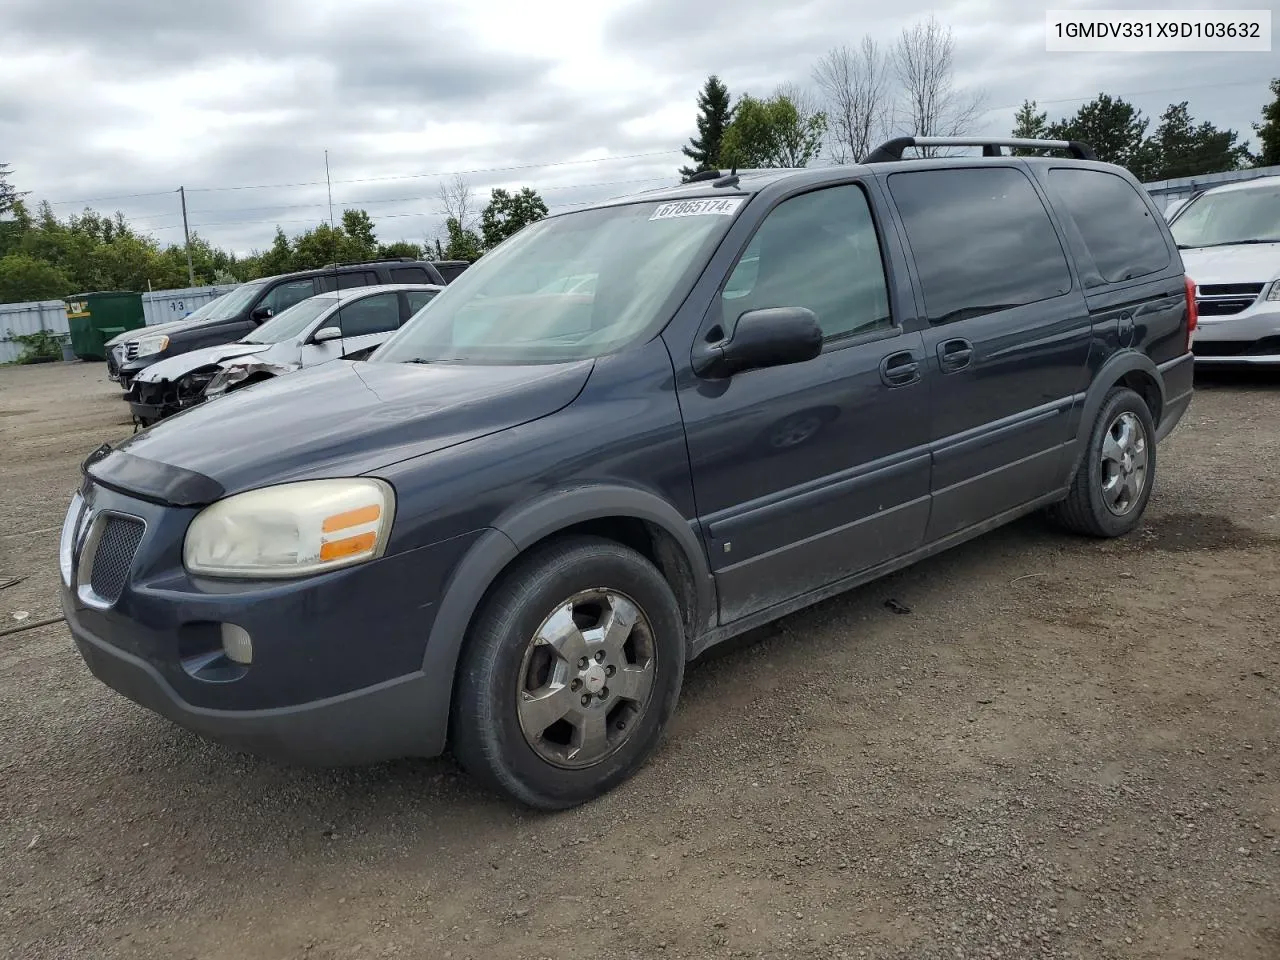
(711, 174)
(891, 150)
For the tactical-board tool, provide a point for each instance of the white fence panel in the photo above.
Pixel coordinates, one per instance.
(163, 306)
(24, 318)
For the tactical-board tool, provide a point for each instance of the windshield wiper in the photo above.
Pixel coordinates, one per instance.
(1228, 243)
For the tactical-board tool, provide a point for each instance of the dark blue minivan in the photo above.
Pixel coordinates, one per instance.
(623, 436)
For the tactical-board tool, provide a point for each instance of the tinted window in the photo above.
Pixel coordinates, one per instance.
(285, 295)
(356, 278)
(818, 250)
(982, 240)
(410, 275)
(379, 313)
(418, 299)
(451, 271)
(1117, 228)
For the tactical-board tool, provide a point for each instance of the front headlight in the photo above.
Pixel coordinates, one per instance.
(1274, 293)
(149, 345)
(291, 530)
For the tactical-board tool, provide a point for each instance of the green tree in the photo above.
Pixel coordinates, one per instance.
(23, 278)
(1029, 124)
(713, 117)
(278, 259)
(1185, 149)
(401, 248)
(463, 244)
(1268, 130)
(317, 247)
(1115, 129)
(8, 193)
(772, 133)
(361, 243)
(506, 214)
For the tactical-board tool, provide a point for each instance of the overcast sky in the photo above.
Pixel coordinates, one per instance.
(581, 99)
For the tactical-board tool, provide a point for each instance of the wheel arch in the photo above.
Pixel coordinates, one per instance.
(1127, 368)
(636, 518)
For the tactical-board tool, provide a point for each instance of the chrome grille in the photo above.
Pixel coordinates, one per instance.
(131, 350)
(117, 542)
(1225, 299)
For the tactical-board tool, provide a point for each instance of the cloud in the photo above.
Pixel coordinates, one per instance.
(586, 99)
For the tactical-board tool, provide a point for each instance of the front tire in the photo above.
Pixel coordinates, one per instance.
(1113, 483)
(571, 670)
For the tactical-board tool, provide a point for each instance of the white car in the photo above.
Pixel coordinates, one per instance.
(330, 326)
(1230, 242)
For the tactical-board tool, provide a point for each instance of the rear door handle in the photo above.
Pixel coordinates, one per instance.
(954, 355)
(900, 369)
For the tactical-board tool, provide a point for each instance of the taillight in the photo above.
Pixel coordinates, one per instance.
(1193, 312)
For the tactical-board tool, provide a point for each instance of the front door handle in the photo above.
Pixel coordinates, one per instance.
(900, 369)
(954, 354)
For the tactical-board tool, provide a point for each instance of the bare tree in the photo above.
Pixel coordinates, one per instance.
(456, 202)
(855, 85)
(924, 60)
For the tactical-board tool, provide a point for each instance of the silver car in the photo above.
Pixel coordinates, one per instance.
(343, 324)
(1230, 242)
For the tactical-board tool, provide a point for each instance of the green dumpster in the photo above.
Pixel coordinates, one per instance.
(93, 318)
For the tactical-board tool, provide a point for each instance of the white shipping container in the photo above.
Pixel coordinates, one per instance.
(24, 318)
(165, 306)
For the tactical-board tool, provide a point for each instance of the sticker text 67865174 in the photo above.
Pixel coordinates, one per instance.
(722, 206)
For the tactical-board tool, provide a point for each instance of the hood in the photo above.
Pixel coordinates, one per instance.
(340, 419)
(1239, 263)
(147, 331)
(184, 363)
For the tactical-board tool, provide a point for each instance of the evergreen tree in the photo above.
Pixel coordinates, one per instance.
(1268, 130)
(1185, 149)
(713, 117)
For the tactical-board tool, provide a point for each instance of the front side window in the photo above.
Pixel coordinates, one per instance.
(292, 322)
(1117, 227)
(819, 251)
(529, 300)
(379, 313)
(982, 240)
(1233, 216)
(285, 295)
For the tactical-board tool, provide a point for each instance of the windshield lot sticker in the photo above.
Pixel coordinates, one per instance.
(725, 207)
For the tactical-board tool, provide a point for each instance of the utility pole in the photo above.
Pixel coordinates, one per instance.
(186, 233)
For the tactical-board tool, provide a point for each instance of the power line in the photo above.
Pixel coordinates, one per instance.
(1138, 93)
(371, 202)
(444, 173)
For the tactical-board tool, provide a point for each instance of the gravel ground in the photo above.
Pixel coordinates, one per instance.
(1062, 749)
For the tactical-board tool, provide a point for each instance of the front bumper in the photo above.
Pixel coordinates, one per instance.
(337, 674)
(1246, 338)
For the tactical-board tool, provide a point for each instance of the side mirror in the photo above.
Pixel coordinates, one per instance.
(325, 334)
(260, 313)
(762, 338)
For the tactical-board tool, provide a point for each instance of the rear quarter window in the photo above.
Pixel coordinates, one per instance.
(982, 240)
(1116, 226)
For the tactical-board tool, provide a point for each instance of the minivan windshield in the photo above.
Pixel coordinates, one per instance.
(289, 323)
(1233, 216)
(569, 287)
(237, 300)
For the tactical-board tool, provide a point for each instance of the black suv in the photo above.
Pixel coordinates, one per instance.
(625, 435)
(250, 304)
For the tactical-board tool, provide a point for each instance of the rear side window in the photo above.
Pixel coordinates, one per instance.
(982, 241)
(410, 275)
(1115, 224)
(379, 313)
(356, 278)
(419, 299)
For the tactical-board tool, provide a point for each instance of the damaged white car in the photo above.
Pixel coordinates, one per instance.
(342, 324)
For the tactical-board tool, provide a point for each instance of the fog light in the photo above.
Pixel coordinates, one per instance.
(236, 644)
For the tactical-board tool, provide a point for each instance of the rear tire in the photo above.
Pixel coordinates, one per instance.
(534, 716)
(1113, 483)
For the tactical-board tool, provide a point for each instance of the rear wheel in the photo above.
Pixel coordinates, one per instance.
(571, 671)
(1113, 483)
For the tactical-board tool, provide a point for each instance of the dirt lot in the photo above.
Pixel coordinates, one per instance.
(1064, 749)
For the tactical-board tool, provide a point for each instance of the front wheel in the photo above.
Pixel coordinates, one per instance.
(1113, 483)
(571, 671)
